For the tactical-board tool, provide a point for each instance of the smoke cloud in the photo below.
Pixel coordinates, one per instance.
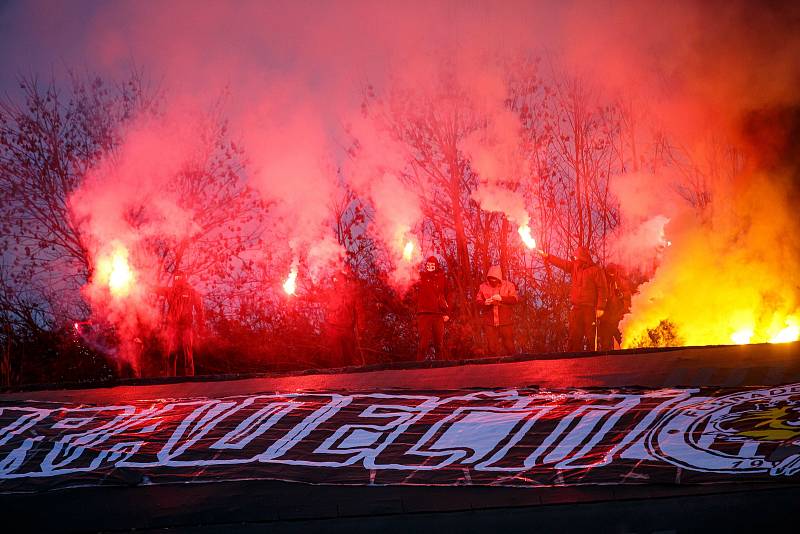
(294, 73)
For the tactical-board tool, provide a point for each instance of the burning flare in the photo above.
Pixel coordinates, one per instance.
(725, 279)
(527, 238)
(115, 271)
(789, 334)
(290, 285)
(743, 336)
(408, 251)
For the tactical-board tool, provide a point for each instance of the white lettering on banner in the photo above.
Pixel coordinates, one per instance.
(582, 422)
(634, 438)
(476, 433)
(18, 425)
(469, 433)
(304, 428)
(367, 441)
(588, 418)
(193, 428)
(79, 451)
(88, 445)
(255, 425)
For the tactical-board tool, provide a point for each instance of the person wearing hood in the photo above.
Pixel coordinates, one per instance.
(587, 295)
(496, 298)
(432, 309)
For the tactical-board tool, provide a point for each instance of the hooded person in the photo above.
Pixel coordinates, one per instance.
(496, 298)
(432, 309)
(587, 296)
(184, 313)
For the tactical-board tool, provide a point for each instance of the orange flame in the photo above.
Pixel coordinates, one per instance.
(789, 334)
(743, 336)
(527, 238)
(775, 334)
(721, 282)
(290, 284)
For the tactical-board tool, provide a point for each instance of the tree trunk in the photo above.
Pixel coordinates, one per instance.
(5, 357)
(504, 228)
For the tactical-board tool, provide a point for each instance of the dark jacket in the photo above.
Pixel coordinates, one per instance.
(184, 305)
(499, 313)
(432, 296)
(343, 308)
(619, 294)
(588, 285)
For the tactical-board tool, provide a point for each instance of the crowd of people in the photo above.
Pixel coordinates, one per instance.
(599, 298)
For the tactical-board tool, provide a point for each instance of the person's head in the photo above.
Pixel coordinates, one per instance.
(432, 264)
(495, 276)
(583, 255)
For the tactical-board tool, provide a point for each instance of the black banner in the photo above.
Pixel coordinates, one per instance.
(518, 437)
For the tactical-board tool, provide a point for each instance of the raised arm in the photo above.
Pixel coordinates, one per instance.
(561, 263)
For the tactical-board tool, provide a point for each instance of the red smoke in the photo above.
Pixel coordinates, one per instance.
(291, 75)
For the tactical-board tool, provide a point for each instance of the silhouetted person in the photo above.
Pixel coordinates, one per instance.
(343, 321)
(496, 298)
(184, 314)
(617, 305)
(587, 295)
(432, 310)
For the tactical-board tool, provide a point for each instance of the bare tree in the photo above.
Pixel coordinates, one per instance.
(49, 138)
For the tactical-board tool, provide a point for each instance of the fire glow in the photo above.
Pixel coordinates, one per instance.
(408, 251)
(527, 238)
(742, 337)
(290, 284)
(728, 277)
(789, 334)
(115, 272)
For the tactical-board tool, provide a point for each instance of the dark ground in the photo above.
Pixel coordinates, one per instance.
(248, 506)
(259, 506)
